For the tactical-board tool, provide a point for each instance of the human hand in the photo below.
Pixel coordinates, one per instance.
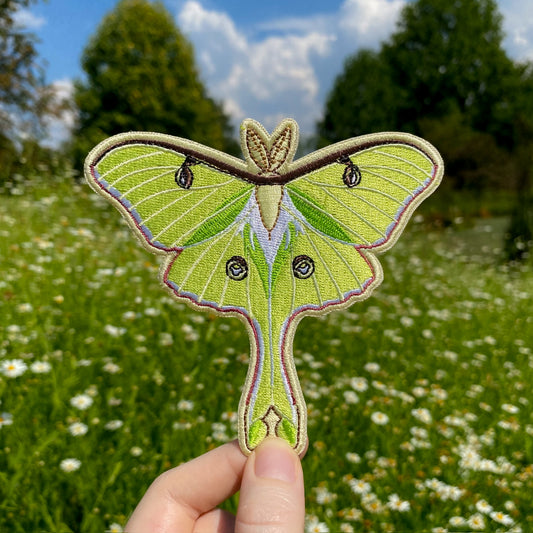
(185, 499)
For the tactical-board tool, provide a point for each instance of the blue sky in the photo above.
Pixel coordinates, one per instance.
(265, 59)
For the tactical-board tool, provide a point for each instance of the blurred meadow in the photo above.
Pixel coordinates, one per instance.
(419, 398)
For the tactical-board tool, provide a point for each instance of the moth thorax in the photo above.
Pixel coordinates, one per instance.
(269, 200)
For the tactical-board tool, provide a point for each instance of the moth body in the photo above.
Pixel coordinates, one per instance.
(269, 201)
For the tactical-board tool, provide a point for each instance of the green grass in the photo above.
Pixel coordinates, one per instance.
(443, 349)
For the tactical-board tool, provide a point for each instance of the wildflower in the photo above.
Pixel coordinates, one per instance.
(353, 514)
(372, 368)
(152, 311)
(483, 507)
(372, 503)
(165, 339)
(419, 392)
(13, 368)
(114, 331)
(115, 528)
(457, 521)
(40, 367)
(510, 505)
(315, 526)
(111, 367)
(476, 522)
(77, 429)
(422, 415)
(353, 457)
(70, 464)
(346, 528)
(81, 401)
(136, 451)
(406, 321)
(439, 394)
(6, 419)
(501, 518)
(185, 405)
(359, 486)
(25, 308)
(324, 496)
(395, 504)
(359, 384)
(350, 397)
(113, 425)
(419, 433)
(379, 418)
(509, 408)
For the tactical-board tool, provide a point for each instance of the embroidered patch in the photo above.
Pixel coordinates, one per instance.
(267, 239)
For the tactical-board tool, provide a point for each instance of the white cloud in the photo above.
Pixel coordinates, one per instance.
(59, 125)
(288, 72)
(24, 18)
(371, 21)
(518, 28)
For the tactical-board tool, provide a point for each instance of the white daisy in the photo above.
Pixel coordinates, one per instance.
(40, 367)
(81, 401)
(13, 368)
(77, 429)
(379, 418)
(70, 465)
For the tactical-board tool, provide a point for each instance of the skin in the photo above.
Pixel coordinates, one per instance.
(185, 499)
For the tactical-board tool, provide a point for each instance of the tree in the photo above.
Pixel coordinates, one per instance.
(516, 119)
(20, 73)
(141, 76)
(445, 56)
(443, 74)
(20, 82)
(363, 100)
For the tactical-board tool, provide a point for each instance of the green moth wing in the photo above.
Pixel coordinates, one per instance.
(267, 239)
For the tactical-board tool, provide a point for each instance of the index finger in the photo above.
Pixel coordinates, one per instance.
(179, 496)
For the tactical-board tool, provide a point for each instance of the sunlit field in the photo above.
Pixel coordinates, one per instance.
(419, 398)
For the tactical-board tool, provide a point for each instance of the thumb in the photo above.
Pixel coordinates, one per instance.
(272, 491)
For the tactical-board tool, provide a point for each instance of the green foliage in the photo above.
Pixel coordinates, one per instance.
(473, 158)
(445, 76)
(442, 74)
(19, 70)
(448, 337)
(446, 56)
(141, 76)
(363, 100)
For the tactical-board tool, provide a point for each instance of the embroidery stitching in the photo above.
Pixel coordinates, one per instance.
(300, 235)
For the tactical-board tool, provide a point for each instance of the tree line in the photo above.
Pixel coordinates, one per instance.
(443, 74)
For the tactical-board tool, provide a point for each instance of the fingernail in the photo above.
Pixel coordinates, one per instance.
(274, 459)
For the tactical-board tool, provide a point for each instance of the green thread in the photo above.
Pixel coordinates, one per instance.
(316, 217)
(256, 433)
(287, 431)
(224, 215)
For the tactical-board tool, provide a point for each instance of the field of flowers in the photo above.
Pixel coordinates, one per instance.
(419, 398)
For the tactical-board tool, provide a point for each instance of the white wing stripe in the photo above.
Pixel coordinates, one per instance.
(127, 162)
(398, 158)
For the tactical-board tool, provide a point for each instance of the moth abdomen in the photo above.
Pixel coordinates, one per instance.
(184, 175)
(351, 175)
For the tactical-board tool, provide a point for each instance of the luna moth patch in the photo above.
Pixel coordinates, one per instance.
(265, 238)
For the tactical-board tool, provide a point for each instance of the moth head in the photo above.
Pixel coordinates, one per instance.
(269, 154)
